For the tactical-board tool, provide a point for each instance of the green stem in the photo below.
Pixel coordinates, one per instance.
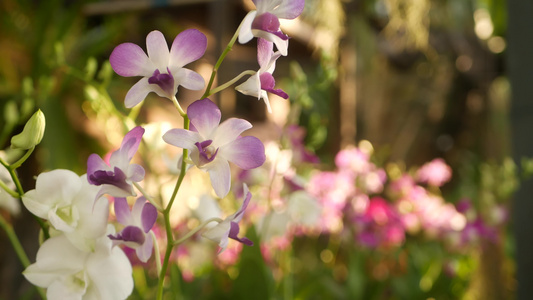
(166, 214)
(17, 246)
(157, 253)
(178, 107)
(8, 190)
(145, 194)
(229, 83)
(195, 230)
(19, 162)
(219, 62)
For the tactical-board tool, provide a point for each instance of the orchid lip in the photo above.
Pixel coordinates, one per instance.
(206, 151)
(116, 178)
(269, 23)
(164, 81)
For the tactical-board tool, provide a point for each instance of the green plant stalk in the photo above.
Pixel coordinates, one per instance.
(21, 254)
(219, 62)
(8, 190)
(229, 83)
(166, 215)
(195, 230)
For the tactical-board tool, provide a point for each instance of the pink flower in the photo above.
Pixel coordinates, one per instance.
(435, 173)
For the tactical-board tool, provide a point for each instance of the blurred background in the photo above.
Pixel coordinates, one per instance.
(402, 81)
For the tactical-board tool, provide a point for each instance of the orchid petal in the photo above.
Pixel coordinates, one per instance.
(182, 138)
(264, 52)
(129, 59)
(281, 44)
(131, 141)
(47, 184)
(135, 172)
(205, 116)
(110, 274)
(247, 152)
(148, 216)
(189, 79)
(95, 163)
(219, 234)
(122, 211)
(136, 211)
(138, 92)
(220, 175)
(233, 234)
(251, 87)
(245, 32)
(237, 217)
(32, 202)
(145, 250)
(229, 130)
(157, 49)
(187, 47)
(289, 9)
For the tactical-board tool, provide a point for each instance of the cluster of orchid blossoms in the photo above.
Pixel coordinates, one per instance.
(79, 257)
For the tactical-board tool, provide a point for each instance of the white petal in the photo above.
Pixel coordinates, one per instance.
(182, 138)
(138, 92)
(251, 87)
(229, 130)
(110, 274)
(245, 32)
(280, 43)
(157, 49)
(220, 175)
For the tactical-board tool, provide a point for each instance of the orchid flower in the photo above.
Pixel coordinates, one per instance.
(264, 22)
(262, 81)
(229, 227)
(212, 145)
(162, 70)
(67, 201)
(117, 177)
(70, 273)
(138, 223)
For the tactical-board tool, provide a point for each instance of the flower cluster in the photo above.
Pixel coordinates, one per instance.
(83, 255)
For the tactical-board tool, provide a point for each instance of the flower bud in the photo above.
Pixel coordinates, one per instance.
(32, 134)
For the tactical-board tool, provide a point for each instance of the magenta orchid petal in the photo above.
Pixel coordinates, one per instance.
(237, 217)
(122, 211)
(230, 130)
(145, 250)
(205, 116)
(189, 79)
(267, 84)
(130, 234)
(233, 234)
(157, 49)
(182, 138)
(187, 47)
(95, 163)
(220, 175)
(148, 216)
(130, 60)
(247, 152)
(131, 141)
(138, 92)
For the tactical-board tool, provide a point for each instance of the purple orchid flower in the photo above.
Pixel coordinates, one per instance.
(264, 22)
(138, 223)
(262, 81)
(117, 177)
(212, 145)
(229, 227)
(162, 70)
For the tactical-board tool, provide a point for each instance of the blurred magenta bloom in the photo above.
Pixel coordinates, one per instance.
(116, 177)
(262, 81)
(212, 145)
(264, 22)
(435, 172)
(162, 70)
(138, 222)
(229, 227)
(379, 225)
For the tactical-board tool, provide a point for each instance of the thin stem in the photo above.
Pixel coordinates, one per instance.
(178, 106)
(220, 60)
(145, 194)
(166, 214)
(11, 192)
(195, 230)
(157, 253)
(229, 83)
(19, 162)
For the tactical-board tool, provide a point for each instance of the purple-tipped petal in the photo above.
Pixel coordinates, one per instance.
(264, 52)
(157, 49)
(289, 9)
(205, 116)
(220, 175)
(189, 79)
(230, 130)
(131, 141)
(234, 232)
(129, 59)
(138, 92)
(187, 47)
(266, 22)
(145, 250)
(247, 152)
(148, 216)
(122, 211)
(267, 84)
(130, 234)
(95, 163)
(237, 217)
(182, 138)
